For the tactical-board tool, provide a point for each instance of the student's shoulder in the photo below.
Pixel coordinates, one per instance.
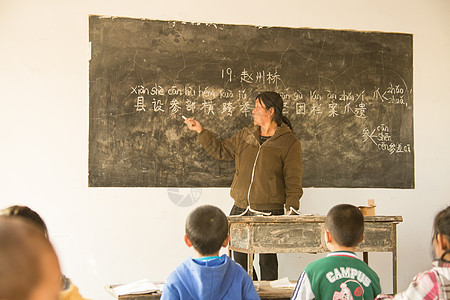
(246, 282)
(173, 278)
(372, 272)
(182, 269)
(174, 282)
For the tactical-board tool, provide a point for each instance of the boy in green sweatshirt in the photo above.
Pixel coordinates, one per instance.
(339, 275)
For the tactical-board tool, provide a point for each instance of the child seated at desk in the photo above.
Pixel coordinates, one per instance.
(68, 290)
(434, 283)
(339, 275)
(208, 275)
(29, 267)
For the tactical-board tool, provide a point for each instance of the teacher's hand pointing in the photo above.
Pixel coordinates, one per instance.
(193, 125)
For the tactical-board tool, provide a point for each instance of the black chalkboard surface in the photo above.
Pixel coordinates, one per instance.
(348, 94)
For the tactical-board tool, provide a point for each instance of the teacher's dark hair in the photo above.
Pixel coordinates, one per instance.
(273, 99)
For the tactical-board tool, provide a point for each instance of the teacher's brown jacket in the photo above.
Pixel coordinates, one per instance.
(268, 176)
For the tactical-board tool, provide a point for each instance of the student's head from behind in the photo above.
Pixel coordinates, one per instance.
(345, 224)
(28, 214)
(441, 234)
(207, 230)
(29, 267)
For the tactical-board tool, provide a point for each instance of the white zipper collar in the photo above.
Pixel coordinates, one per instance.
(251, 184)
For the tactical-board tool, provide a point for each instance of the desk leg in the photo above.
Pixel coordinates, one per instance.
(250, 265)
(366, 257)
(394, 261)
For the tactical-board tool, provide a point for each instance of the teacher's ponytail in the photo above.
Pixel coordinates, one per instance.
(287, 122)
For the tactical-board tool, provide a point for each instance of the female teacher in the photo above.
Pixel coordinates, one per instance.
(268, 163)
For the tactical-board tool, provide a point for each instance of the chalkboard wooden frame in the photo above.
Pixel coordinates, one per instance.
(348, 93)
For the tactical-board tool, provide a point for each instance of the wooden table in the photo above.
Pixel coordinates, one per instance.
(265, 291)
(304, 234)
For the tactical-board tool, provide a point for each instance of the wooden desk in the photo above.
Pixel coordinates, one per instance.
(265, 291)
(140, 297)
(304, 234)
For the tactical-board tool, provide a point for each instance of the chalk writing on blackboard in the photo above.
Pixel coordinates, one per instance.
(383, 141)
(179, 100)
(348, 94)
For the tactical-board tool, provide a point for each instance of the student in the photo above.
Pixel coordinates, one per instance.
(29, 267)
(340, 275)
(208, 275)
(68, 290)
(434, 283)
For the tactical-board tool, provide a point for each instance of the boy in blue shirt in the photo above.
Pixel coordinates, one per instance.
(208, 275)
(339, 275)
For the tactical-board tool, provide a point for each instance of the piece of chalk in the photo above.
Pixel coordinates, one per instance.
(184, 118)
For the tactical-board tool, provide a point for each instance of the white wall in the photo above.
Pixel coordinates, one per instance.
(114, 235)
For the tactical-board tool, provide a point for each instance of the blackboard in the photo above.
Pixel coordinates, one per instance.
(348, 94)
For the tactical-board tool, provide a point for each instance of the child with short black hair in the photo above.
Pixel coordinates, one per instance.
(208, 275)
(339, 275)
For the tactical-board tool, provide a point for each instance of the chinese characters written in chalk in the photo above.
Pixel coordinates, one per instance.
(140, 91)
(394, 94)
(382, 139)
(176, 99)
(249, 77)
(217, 101)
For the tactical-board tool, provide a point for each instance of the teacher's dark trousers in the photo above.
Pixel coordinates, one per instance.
(268, 263)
